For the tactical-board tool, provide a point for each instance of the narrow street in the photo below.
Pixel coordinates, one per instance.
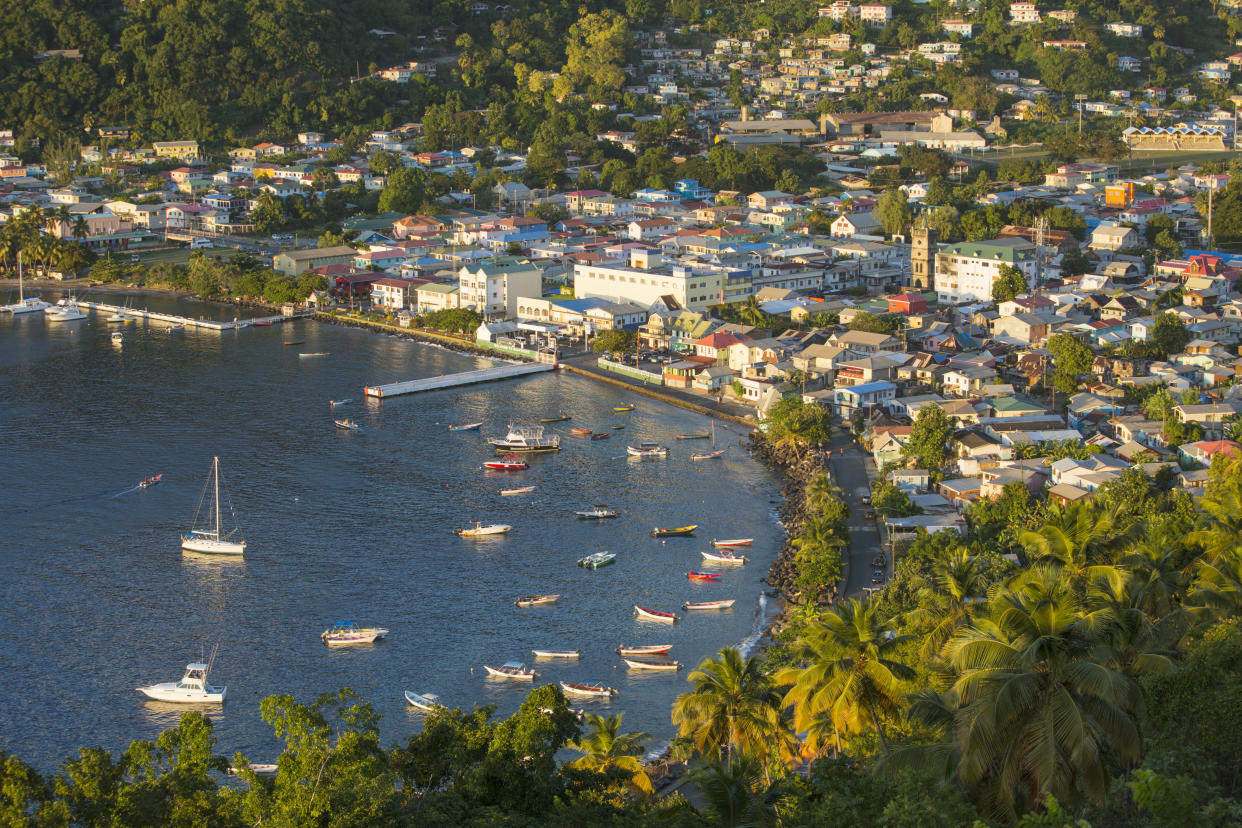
(853, 472)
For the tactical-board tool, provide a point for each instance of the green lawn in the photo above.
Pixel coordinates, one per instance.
(172, 255)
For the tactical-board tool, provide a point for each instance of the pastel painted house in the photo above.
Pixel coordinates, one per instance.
(852, 398)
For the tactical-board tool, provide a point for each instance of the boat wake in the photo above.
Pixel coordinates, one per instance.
(105, 495)
(748, 644)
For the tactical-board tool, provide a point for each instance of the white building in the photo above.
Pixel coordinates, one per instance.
(965, 272)
(875, 14)
(645, 278)
(1023, 12)
(494, 290)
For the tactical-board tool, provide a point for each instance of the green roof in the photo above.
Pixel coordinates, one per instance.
(1014, 404)
(1007, 253)
(379, 222)
(436, 287)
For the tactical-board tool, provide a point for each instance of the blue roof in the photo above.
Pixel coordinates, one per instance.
(867, 387)
(581, 305)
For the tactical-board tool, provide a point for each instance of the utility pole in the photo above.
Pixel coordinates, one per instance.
(1080, 98)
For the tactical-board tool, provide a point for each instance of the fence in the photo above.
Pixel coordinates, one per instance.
(630, 371)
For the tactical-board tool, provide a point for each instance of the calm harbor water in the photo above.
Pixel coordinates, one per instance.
(97, 597)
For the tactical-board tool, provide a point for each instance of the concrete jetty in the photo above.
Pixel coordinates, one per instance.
(172, 319)
(499, 372)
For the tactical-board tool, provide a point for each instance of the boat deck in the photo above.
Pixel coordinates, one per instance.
(498, 372)
(172, 319)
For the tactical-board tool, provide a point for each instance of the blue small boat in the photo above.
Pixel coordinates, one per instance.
(467, 427)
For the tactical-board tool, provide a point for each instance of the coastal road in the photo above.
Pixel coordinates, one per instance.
(850, 471)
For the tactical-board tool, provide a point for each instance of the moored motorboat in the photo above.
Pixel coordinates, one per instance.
(618, 427)
(678, 531)
(601, 435)
(506, 464)
(707, 605)
(723, 557)
(536, 600)
(313, 354)
(599, 511)
(346, 425)
(703, 436)
(707, 455)
(526, 439)
(702, 576)
(426, 702)
(117, 337)
(581, 432)
(559, 419)
(335, 403)
(479, 530)
(647, 449)
(66, 310)
(148, 482)
(629, 407)
(295, 342)
(512, 670)
(466, 427)
(597, 559)
(119, 318)
(733, 542)
(648, 664)
(573, 688)
(557, 653)
(655, 615)
(347, 633)
(644, 649)
(192, 689)
(262, 323)
(519, 490)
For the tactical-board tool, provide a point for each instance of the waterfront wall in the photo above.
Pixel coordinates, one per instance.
(630, 371)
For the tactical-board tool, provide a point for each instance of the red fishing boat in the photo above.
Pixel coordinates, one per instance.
(510, 462)
(655, 615)
(702, 576)
(150, 481)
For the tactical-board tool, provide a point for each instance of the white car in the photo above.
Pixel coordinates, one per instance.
(201, 243)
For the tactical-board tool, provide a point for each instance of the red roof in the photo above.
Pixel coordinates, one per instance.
(719, 340)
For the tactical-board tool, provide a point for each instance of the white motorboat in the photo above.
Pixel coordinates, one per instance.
(526, 439)
(479, 530)
(599, 512)
(192, 689)
(723, 557)
(644, 664)
(117, 337)
(66, 310)
(347, 633)
(647, 449)
(707, 605)
(24, 304)
(557, 653)
(426, 702)
(512, 670)
(210, 539)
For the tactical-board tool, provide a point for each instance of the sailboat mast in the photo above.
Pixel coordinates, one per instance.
(21, 296)
(215, 472)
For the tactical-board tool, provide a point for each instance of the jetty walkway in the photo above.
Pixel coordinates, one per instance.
(172, 319)
(499, 372)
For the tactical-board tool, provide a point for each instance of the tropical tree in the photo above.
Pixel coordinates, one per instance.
(957, 585)
(1041, 707)
(732, 708)
(614, 754)
(736, 793)
(820, 490)
(1074, 537)
(848, 680)
(1155, 563)
(1222, 507)
(1114, 613)
(1218, 585)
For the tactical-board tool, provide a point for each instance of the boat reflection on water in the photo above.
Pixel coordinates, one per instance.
(167, 715)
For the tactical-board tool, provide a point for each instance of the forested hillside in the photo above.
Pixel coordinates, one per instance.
(221, 71)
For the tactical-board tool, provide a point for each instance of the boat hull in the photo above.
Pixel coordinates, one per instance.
(653, 649)
(170, 692)
(734, 542)
(557, 653)
(352, 639)
(425, 702)
(211, 546)
(680, 531)
(707, 605)
(640, 664)
(522, 490)
(655, 615)
(498, 673)
(573, 689)
(537, 601)
(724, 559)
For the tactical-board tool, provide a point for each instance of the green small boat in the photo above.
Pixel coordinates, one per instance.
(559, 419)
(597, 559)
(618, 427)
(629, 407)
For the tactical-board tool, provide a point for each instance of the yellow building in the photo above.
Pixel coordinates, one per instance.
(185, 150)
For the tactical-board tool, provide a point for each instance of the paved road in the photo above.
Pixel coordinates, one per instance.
(850, 471)
(587, 361)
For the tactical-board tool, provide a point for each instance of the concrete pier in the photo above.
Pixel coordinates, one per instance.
(453, 380)
(171, 319)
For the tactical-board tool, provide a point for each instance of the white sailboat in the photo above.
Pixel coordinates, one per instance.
(24, 305)
(211, 540)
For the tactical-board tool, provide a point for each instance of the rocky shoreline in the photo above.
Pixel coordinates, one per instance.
(796, 467)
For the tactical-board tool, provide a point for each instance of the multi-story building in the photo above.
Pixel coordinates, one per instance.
(185, 150)
(1023, 12)
(494, 290)
(965, 272)
(645, 278)
(875, 14)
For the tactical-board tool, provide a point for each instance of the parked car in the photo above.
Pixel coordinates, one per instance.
(869, 516)
(879, 560)
(877, 577)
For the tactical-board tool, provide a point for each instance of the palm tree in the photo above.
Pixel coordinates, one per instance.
(957, 583)
(80, 230)
(751, 313)
(732, 708)
(1074, 537)
(847, 674)
(1114, 604)
(1218, 585)
(820, 489)
(1154, 562)
(614, 754)
(1041, 708)
(1223, 505)
(734, 793)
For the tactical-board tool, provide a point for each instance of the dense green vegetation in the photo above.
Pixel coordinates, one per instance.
(240, 277)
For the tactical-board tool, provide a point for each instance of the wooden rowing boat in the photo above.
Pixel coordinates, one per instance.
(512, 670)
(519, 490)
(573, 688)
(733, 542)
(707, 455)
(426, 702)
(536, 600)
(644, 649)
(466, 427)
(644, 664)
(704, 436)
(707, 605)
(557, 653)
(581, 432)
(655, 615)
(629, 407)
(559, 419)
